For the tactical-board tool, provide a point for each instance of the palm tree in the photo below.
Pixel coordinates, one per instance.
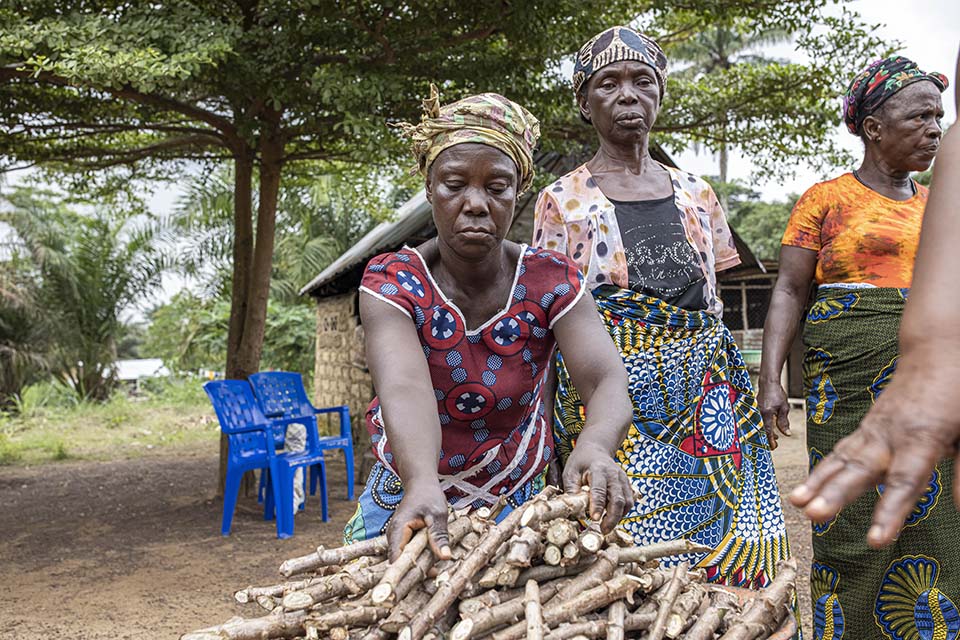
(88, 270)
(318, 218)
(719, 47)
(24, 335)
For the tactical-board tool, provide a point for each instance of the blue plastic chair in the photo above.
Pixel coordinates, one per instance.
(251, 446)
(283, 400)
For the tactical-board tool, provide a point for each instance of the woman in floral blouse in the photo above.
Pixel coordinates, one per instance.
(649, 241)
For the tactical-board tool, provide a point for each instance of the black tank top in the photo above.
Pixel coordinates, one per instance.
(660, 261)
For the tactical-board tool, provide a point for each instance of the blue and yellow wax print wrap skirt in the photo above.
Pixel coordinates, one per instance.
(696, 450)
(911, 589)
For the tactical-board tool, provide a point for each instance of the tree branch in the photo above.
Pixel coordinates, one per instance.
(114, 158)
(18, 71)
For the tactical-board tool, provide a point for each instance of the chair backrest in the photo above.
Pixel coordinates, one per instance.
(235, 405)
(240, 418)
(281, 394)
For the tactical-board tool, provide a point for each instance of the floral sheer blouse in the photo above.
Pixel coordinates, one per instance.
(573, 216)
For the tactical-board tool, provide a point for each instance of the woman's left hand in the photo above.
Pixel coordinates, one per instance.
(611, 494)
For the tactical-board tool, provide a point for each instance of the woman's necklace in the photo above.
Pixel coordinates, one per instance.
(913, 185)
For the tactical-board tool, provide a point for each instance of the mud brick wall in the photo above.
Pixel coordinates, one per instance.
(340, 373)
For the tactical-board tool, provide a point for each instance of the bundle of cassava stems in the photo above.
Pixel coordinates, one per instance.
(539, 573)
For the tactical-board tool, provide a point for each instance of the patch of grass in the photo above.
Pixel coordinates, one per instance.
(172, 413)
(60, 451)
(9, 452)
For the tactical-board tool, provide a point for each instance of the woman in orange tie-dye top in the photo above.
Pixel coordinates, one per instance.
(856, 237)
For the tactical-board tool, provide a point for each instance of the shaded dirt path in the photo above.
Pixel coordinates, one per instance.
(131, 548)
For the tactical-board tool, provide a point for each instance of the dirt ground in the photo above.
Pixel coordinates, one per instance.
(132, 548)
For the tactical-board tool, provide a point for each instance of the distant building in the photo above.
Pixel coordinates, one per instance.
(132, 372)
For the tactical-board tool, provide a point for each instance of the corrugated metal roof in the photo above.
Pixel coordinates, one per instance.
(411, 216)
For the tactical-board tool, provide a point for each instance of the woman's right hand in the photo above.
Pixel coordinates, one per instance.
(423, 505)
(775, 410)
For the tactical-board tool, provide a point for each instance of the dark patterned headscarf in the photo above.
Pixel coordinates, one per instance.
(487, 118)
(874, 85)
(615, 45)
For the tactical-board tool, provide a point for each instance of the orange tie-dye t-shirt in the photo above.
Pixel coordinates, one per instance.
(859, 235)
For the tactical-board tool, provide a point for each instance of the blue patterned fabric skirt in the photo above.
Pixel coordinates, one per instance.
(382, 495)
(696, 449)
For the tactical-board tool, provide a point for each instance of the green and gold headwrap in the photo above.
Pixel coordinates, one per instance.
(487, 118)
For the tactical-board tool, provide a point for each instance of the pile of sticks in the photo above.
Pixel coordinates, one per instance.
(538, 574)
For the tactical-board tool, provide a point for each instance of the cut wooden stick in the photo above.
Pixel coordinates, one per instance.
(666, 603)
(340, 556)
(591, 539)
(374, 633)
(594, 575)
(508, 612)
(355, 578)
(571, 553)
(563, 506)
(356, 616)
(710, 620)
(401, 566)
(533, 614)
(421, 568)
(275, 625)
(250, 594)
(564, 611)
(651, 579)
(544, 572)
(552, 555)
(560, 531)
(661, 550)
(768, 610)
(524, 547)
(405, 610)
(447, 592)
(585, 629)
(267, 602)
(616, 616)
(693, 598)
(487, 599)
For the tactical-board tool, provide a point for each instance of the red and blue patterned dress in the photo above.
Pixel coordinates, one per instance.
(487, 380)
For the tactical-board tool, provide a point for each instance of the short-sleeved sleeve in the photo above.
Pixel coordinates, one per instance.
(549, 229)
(396, 280)
(724, 249)
(806, 220)
(552, 282)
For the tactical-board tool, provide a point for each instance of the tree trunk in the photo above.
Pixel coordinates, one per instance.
(724, 160)
(258, 293)
(242, 258)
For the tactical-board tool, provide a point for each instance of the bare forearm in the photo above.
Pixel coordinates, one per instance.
(404, 388)
(413, 430)
(608, 413)
(779, 330)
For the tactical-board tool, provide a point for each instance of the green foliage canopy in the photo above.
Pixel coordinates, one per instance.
(94, 84)
(187, 333)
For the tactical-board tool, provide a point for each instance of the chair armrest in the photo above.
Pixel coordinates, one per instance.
(248, 428)
(335, 409)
